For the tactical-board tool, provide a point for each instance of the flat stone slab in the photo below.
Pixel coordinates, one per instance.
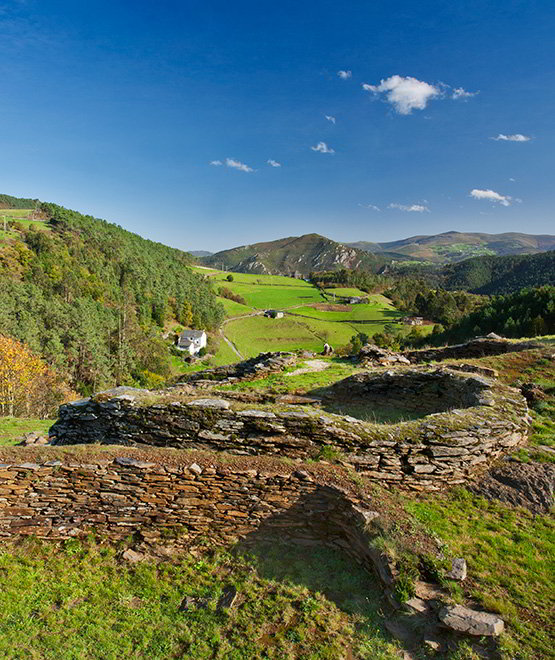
(462, 619)
(221, 404)
(132, 462)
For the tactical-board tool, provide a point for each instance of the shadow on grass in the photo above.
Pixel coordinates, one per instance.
(327, 571)
(318, 543)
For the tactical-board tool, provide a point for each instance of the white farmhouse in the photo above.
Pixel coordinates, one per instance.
(191, 341)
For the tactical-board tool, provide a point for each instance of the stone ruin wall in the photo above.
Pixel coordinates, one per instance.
(183, 506)
(438, 450)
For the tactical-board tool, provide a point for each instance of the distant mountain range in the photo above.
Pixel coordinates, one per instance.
(453, 246)
(200, 253)
(295, 256)
(301, 255)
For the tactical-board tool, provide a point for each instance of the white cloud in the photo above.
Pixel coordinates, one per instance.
(216, 162)
(330, 118)
(405, 94)
(238, 165)
(516, 137)
(460, 93)
(273, 163)
(492, 196)
(411, 208)
(323, 148)
(345, 75)
(372, 207)
(511, 179)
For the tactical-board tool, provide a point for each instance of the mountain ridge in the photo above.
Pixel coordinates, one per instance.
(453, 246)
(294, 255)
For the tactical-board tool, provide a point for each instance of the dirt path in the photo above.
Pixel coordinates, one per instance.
(231, 344)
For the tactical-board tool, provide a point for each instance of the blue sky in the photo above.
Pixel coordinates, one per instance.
(119, 108)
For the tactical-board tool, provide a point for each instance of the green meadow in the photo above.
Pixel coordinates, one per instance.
(344, 291)
(233, 309)
(312, 317)
(12, 428)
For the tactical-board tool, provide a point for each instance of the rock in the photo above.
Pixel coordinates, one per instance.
(432, 645)
(221, 404)
(195, 468)
(132, 462)
(417, 605)
(458, 569)
(531, 485)
(532, 392)
(34, 438)
(257, 367)
(462, 619)
(132, 557)
(228, 597)
(368, 516)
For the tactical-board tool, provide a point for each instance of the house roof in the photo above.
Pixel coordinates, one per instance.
(191, 334)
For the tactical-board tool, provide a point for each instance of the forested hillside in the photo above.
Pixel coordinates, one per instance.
(91, 297)
(9, 202)
(526, 313)
(497, 275)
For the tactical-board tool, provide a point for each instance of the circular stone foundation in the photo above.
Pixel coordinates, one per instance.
(452, 423)
(400, 395)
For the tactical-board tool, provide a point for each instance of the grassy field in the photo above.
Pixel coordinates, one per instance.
(12, 428)
(233, 308)
(265, 296)
(79, 601)
(511, 562)
(258, 334)
(16, 213)
(246, 278)
(21, 216)
(309, 321)
(345, 292)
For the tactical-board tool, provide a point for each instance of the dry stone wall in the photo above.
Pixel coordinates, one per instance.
(481, 420)
(182, 506)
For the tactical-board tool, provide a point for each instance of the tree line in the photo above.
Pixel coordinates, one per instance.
(91, 299)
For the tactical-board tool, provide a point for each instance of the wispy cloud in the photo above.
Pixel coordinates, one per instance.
(410, 208)
(345, 75)
(491, 196)
(238, 165)
(273, 162)
(460, 93)
(405, 94)
(323, 148)
(372, 207)
(217, 163)
(516, 137)
(330, 118)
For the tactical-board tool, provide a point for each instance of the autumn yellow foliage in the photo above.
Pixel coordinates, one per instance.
(27, 385)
